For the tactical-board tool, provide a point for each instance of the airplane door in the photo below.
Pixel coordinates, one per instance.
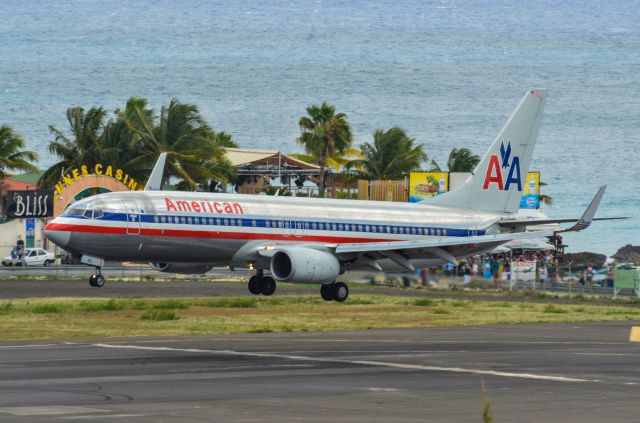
(472, 228)
(133, 217)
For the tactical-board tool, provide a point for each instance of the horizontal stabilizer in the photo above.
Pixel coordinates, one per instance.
(536, 222)
(587, 217)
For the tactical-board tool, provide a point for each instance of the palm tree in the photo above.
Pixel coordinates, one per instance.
(391, 156)
(194, 151)
(324, 134)
(545, 199)
(460, 160)
(12, 155)
(82, 147)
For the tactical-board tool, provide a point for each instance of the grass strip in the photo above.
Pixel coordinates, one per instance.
(86, 318)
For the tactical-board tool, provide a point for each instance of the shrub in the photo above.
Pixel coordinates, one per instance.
(159, 315)
(110, 305)
(170, 305)
(423, 302)
(241, 302)
(550, 308)
(6, 308)
(441, 311)
(49, 308)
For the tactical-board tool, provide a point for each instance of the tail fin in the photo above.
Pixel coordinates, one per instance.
(496, 183)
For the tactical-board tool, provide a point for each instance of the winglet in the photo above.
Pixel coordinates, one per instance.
(589, 213)
(154, 183)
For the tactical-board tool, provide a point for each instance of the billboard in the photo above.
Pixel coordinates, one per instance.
(31, 203)
(423, 185)
(531, 192)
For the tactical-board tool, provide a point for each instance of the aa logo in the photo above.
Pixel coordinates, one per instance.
(500, 166)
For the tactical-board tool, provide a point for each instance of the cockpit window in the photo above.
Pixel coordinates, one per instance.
(97, 214)
(74, 212)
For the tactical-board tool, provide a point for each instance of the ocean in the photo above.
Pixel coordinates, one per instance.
(448, 72)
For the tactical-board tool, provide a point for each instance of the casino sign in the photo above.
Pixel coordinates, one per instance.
(84, 178)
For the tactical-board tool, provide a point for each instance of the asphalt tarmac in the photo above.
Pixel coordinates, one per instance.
(532, 373)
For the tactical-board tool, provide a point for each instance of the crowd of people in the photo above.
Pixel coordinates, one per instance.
(500, 267)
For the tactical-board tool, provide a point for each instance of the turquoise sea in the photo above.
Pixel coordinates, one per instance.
(449, 72)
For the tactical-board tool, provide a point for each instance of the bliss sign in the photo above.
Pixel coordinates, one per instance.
(501, 166)
(38, 203)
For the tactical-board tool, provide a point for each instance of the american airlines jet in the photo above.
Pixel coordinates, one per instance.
(312, 239)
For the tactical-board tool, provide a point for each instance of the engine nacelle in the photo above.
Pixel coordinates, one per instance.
(184, 268)
(301, 264)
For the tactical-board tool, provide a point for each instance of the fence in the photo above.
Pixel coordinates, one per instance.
(527, 276)
(383, 190)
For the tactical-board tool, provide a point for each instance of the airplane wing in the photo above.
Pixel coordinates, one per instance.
(581, 223)
(401, 252)
(431, 243)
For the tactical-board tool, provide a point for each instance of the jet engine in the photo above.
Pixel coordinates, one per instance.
(185, 268)
(302, 264)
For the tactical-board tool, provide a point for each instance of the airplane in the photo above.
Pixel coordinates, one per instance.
(313, 240)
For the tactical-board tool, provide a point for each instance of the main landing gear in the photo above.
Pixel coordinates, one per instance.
(261, 284)
(334, 291)
(97, 279)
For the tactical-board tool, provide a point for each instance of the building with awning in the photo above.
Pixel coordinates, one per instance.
(260, 170)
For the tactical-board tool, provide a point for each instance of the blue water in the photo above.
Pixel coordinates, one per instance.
(449, 72)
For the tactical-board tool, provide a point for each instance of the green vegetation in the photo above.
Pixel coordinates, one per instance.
(460, 160)
(324, 134)
(134, 138)
(391, 156)
(160, 315)
(487, 405)
(423, 302)
(12, 153)
(86, 318)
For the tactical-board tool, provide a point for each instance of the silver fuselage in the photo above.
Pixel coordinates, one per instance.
(193, 227)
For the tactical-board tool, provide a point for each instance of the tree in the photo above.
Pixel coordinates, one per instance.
(324, 134)
(545, 199)
(194, 150)
(12, 155)
(460, 160)
(81, 147)
(391, 156)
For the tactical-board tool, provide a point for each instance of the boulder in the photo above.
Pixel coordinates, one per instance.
(583, 260)
(628, 254)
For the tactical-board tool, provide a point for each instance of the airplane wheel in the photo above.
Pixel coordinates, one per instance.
(92, 280)
(254, 285)
(267, 285)
(100, 281)
(326, 291)
(340, 291)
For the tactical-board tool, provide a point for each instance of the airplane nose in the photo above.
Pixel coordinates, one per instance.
(60, 238)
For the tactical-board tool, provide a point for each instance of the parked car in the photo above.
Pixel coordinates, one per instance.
(32, 257)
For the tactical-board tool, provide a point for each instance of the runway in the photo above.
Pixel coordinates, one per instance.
(532, 373)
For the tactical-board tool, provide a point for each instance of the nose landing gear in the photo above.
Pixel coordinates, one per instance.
(97, 279)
